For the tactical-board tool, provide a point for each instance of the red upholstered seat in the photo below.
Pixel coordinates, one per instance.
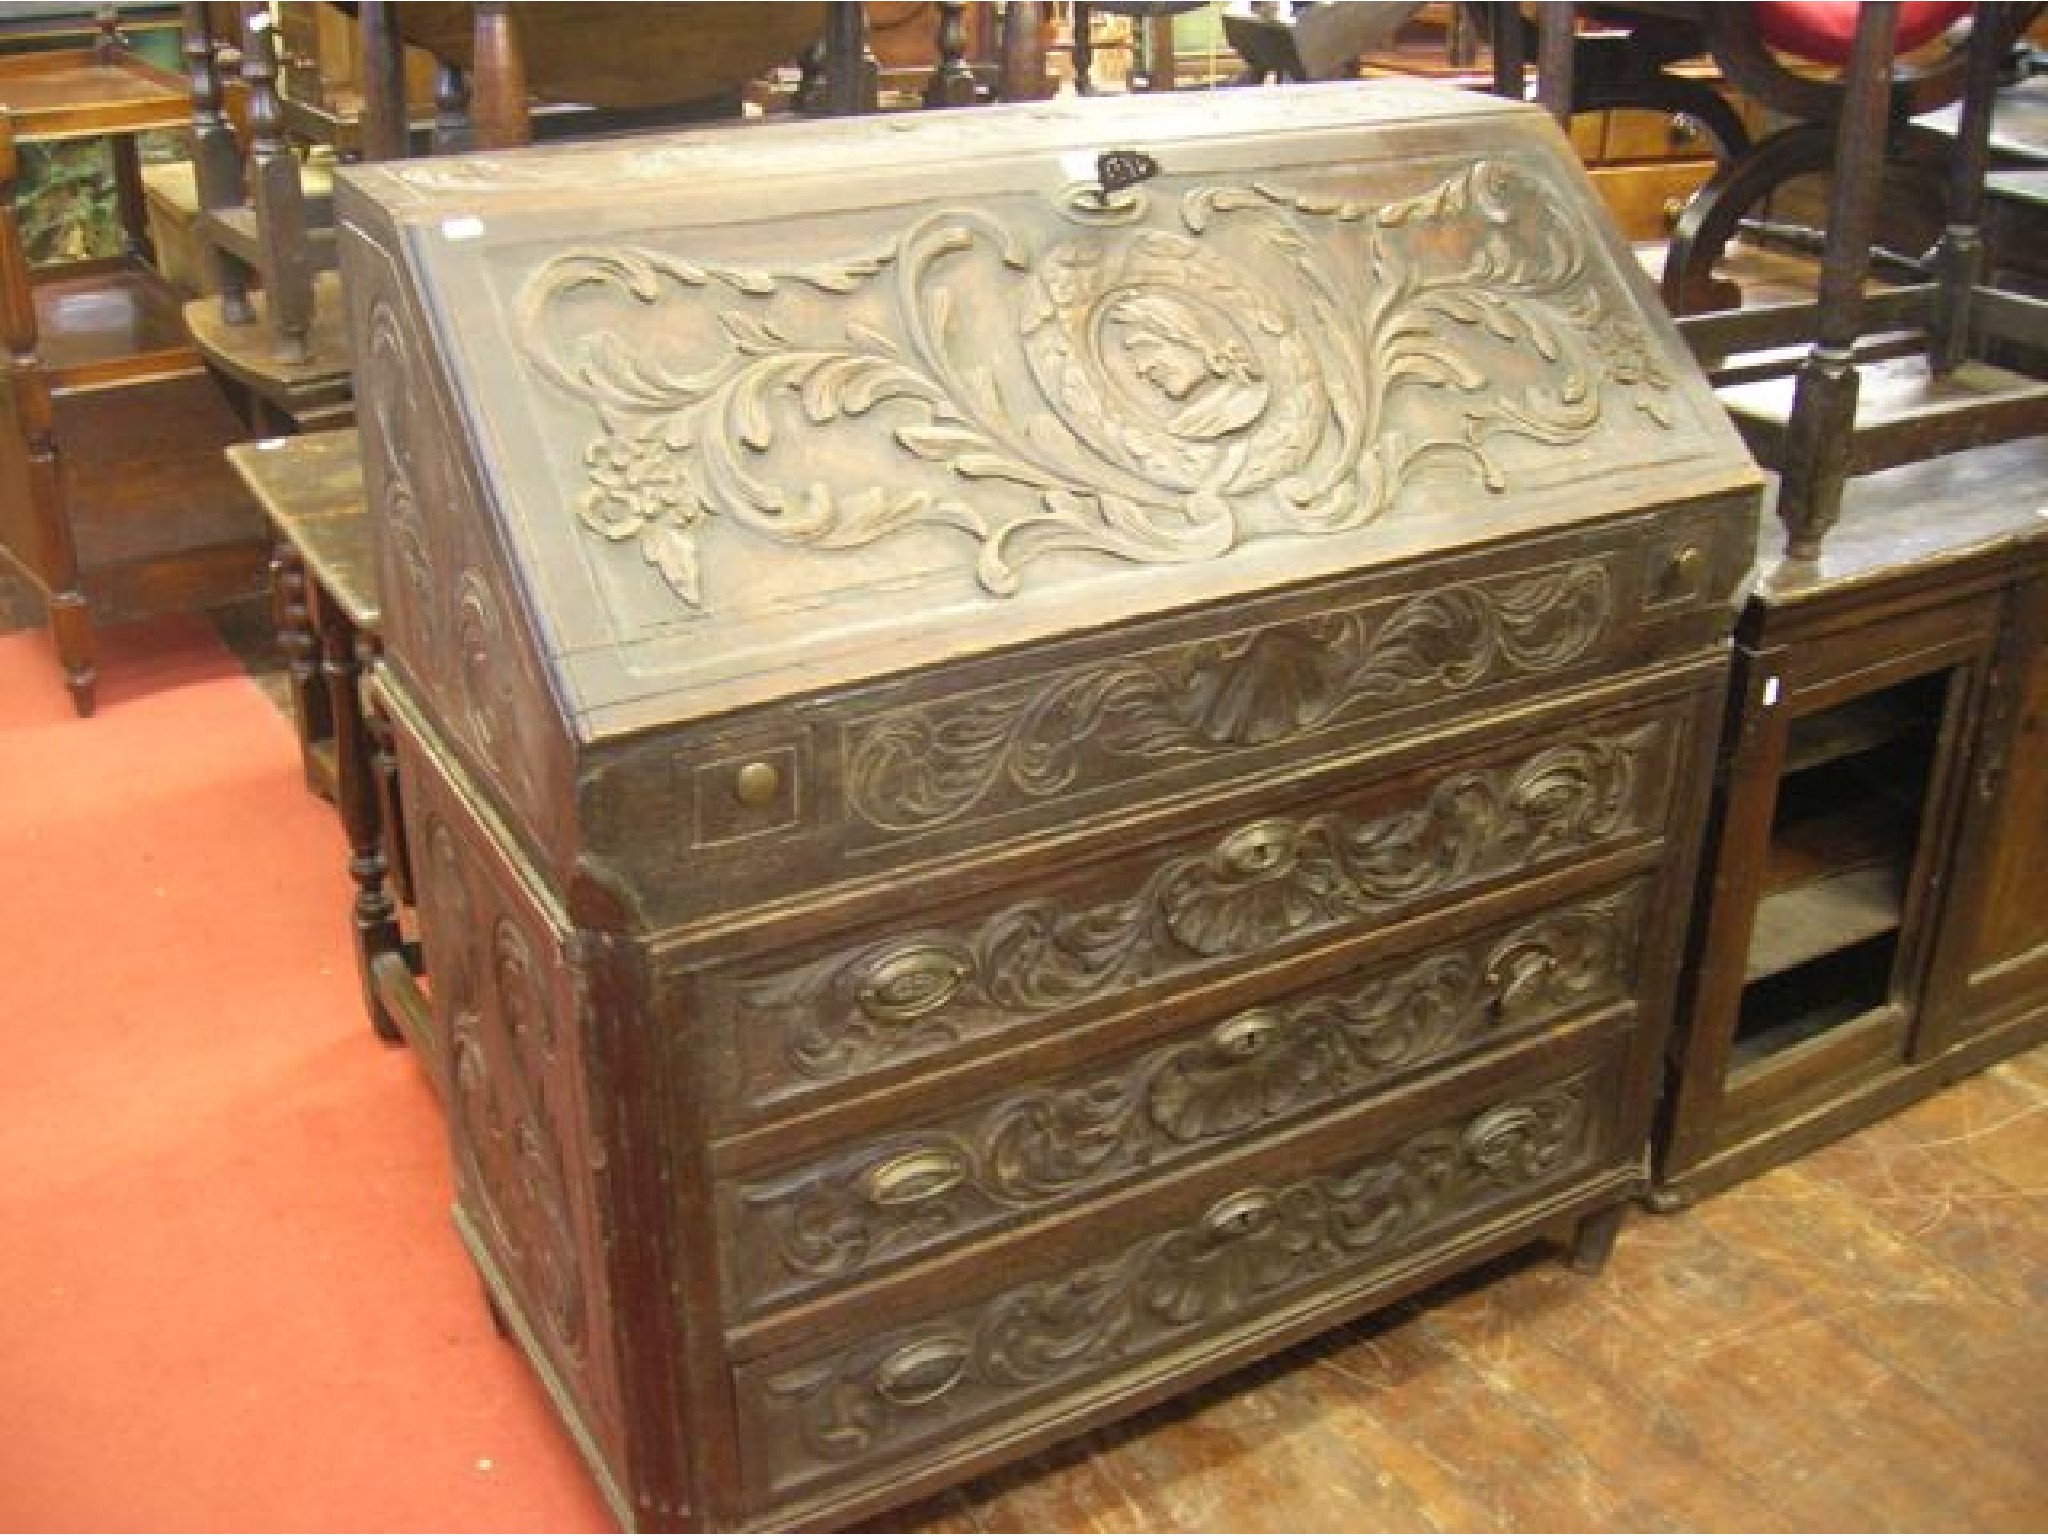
(1820, 31)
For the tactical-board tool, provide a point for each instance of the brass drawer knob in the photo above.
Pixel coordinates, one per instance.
(1684, 568)
(756, 785)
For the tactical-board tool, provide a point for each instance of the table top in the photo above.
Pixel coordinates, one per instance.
(311, 488)
(75, 93)
(1917, 519)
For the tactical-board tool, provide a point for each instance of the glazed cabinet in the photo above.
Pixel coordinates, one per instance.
(1044, 748)
(1865, 931)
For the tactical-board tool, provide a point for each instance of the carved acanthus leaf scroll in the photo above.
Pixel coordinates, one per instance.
(510, 1143)
(1156, 393)
(901, 1193)
(917, 768)
(1253, 1247)
(1262, 885)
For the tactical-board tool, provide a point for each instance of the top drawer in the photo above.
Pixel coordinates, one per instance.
(856, 787)
(1217, 903)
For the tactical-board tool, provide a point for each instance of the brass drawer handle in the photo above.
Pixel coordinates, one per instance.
(1261, 848)
(1246, 1035)
(910, 982)
(1239, 1215)
(922, 1372)
(1517, 981)
(914, 1176)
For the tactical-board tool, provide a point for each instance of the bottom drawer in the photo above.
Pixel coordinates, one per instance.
(1226, 1271)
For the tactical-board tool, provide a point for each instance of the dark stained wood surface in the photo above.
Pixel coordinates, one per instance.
(311, 488)
(1850, 1342)
(931, 1041)
(124, 321)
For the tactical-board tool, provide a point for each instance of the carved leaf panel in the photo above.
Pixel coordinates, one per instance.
(524, 1147)
(1249, 1251)
(451, 621)
(914, 1190)
(1208, 903)
(1153, 380)
(914, 769)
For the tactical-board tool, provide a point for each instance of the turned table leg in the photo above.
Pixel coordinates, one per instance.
(355, 797)
(52, 554)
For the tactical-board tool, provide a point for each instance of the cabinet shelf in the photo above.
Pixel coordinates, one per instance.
(1828, 994)
(107, 324)
(1852, 729)
(1822, 915)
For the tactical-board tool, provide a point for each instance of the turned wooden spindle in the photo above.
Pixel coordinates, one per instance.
(851, 83)
(1510, 51)
(1021, 73)
(453, 129)
(374, 912)
(1818, 437)
(499, 79)
(52, 548)
(1554, 59)
(1959, 257)
(385, 130)
(216, 159)
(952, 82)
(276, 195)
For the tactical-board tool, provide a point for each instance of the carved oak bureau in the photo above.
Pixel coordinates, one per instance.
(1045, 748)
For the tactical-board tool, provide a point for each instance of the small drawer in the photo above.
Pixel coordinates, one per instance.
(1217, 1264)
(1129, 932)
(857, 1209)
(988, 755)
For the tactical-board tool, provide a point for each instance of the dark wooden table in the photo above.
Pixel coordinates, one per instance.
(325, 596)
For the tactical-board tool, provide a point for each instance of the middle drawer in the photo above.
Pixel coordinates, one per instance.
(863, 1206)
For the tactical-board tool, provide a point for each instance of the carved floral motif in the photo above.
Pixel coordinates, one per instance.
(1182, 387)
(510, 1156)
(1244, 1252)
(1264, 884)
(917, 768)
(904, 1192)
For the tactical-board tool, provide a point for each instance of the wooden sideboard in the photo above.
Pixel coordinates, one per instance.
(1866, 930)
(1044, 749)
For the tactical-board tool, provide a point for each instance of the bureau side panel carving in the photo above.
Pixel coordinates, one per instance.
(451, 617)
(906, 1192)
(523, 1141)
(1251, 1250)
(1259, 886)
(914, 769)
(1196, 365)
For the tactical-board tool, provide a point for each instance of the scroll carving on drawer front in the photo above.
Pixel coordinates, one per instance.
(1250, 1250)
(907, 1191)
(914, 769)
(1256, 887)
